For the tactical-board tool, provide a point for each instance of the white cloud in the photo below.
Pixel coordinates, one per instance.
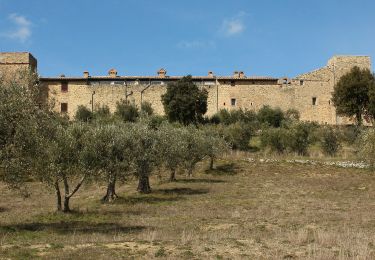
(22, 30)
(196, 44)
(233, 26)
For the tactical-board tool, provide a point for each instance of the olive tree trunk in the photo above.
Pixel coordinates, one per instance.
(58, 196)
(211, 162)
(173, 175)
(111, 190)
(144, 184)
(68, 194)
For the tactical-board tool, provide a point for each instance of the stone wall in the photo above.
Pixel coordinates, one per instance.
(16, 65)
(309, 93)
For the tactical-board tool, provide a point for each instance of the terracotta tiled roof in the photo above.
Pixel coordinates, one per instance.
(119, 78)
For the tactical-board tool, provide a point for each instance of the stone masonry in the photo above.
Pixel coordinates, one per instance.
(309, 93)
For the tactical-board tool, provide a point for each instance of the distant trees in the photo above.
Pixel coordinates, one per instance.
(354, 94)
(184, 102)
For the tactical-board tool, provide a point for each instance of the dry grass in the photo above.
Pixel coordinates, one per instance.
(239, 211)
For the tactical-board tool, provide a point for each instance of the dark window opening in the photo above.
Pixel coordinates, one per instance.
(64, 107)
(314, 101)
(233, 102)
(301, 82)
(224, 103)
(64, 87)
(233, 83)
(251, 103)
(329, 102)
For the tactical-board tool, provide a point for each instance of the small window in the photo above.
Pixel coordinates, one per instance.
(224, 103)
(301, 82)
(64, 87)
(329, 102)
(233, 83)
(233, 102)
(314, 101)
(64, 107)
(251, 103)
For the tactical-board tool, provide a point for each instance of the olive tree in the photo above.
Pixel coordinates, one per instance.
(21, 120)
(195, 149)
(108, 152)
(61, 162)
(367, 146)
(171, 147)
(145, 152)
(214, 143)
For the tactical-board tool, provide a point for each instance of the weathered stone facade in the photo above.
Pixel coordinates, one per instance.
(309, 93)
(14, 64)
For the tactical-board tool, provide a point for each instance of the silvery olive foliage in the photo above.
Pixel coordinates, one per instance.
(367, 146)
(108, 153)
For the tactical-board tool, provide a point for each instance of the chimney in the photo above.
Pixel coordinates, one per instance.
(236, 74)
(86, 74)
(112, 73)
(211, 74)
(241, 75)
(162, 73)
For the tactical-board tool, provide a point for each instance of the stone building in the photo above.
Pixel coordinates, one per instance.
(309, 93)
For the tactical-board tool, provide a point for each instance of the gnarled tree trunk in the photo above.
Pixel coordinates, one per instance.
(144, 184)
(67, 194)
(211, 162)
(173, 175)
(111, 190)
(58, 196)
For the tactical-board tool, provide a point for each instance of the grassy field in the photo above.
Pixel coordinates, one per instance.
(241, 210)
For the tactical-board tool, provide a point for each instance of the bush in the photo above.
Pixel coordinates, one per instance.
(83, 114)
(147, 109)
(276, 139)
(102, 112)
(126, 112)
(329, 141)
(300, 138)
(238, 135)
(350, 134)
(270, 116)
(228, 117)
(367, 146)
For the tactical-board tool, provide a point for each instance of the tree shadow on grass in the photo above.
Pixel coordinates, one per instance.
(225, 169)
(199, 181)
(149, 198)
(182, 191)
(72, 226)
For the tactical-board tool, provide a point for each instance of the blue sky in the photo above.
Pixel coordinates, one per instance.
(137, 37)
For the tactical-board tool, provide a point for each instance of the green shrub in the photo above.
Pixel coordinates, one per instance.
(126, 112)
(147, 109)
(329, 141)
(102, 112)
(271, 117)
(350, 134)
(367, 146)
(83, 114)
(276, 139)
(228, 117)
(300, 138)
(238, 135)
